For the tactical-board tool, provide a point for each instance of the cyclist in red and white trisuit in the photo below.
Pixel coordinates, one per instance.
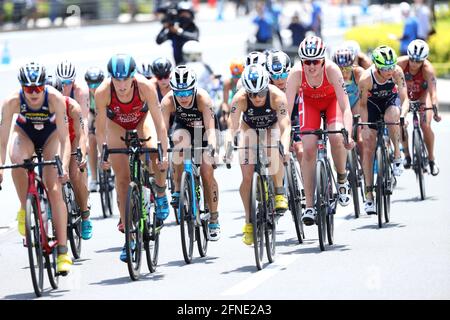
(421, 84)
(321, 87)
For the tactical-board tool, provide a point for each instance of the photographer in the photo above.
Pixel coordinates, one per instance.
(178, 26)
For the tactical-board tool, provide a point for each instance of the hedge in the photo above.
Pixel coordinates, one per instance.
(371, 36)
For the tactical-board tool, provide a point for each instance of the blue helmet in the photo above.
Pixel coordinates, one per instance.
(121, 66)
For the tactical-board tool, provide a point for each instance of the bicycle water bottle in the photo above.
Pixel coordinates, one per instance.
(44, 214)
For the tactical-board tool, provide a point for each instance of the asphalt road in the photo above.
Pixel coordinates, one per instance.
(408, 259)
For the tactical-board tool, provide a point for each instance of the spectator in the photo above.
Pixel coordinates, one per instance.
(316, 19)
(18, 13)
(55, 10)
(181, 31)
(423, 15)
(243, 3)
(275, 10)
(298, 30)
(264, 23)
(410, 28)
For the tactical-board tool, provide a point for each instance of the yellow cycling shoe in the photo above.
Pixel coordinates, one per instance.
(281, 203)
(63, 264)
(248, 234)
(21, 222)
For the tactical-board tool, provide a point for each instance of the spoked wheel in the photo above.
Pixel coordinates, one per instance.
(34, 245)
(419, 163)
(257, 200)
(331, 209)
(202, 223)
(187, 222)
(151, 239)
(50, 262)
(106, 193)
(380, 187)
(270, 230)
(388, 187)
(73, 221)
(321, 203)
(295, 199)
(353, 176)
(133, 231)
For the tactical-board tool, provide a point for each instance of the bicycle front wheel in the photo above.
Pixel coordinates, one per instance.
(270, 230)
(321, 203)
(151, 237)
(34, 244)
(295, 199)
(354, 179)
(187, 222)
(380, 186)
(73, 221)
(133, 231)
(419, 162)
(257, 204)
(202, 221)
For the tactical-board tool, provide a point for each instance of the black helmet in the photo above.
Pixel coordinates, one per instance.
(94, 75)
(121, 66)
(32, 74)
(161, 67)
(55, 82)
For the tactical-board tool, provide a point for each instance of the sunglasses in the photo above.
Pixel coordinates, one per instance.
(283, 76)
(388, 68)
(66, 82)
(93, 85)
(415, 60)
(31, 89)
(312, 62)
(258, 94)
(164, 77)
(183, 93)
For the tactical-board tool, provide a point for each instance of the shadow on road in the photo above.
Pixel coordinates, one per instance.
(195, 260)
(375, 226)
(49, 293)
(125, 280)
(316, 249)
(116, 249)
(248, 269)
(415, 199)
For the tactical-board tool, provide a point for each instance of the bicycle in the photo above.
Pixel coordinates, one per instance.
(386, 180)
(419, 148)
(355, 171)
(262, 208)
(295, 195)
(141, 225)
(192, 209)
(40, 236)
(326, 189)
(106, 187)
(73, 213)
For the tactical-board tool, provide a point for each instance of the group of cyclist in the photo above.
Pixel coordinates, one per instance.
(57, 114)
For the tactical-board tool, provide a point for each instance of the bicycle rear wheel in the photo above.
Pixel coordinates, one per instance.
(294, 198)
(151, 236)
(270, 230)
(331, 200)
(50, 263)
(34, 244)
(201, 225)
(256, 206)
(419, 162)
(380, 186)
(133, 231)
(73, 220)
(321, 203)
(353, 177)
(106, 193)
(187, 223)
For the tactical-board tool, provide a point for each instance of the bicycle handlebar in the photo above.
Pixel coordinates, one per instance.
(106, 151)
(231, 148)
(211, 150)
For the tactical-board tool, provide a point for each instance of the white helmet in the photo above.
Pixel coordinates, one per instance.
(255, 57)
(353, 46)
(312, 47)
(65, 71)
(192, 51)
(255, 78)
(278, 62)
(418, 50)
(183, 78)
